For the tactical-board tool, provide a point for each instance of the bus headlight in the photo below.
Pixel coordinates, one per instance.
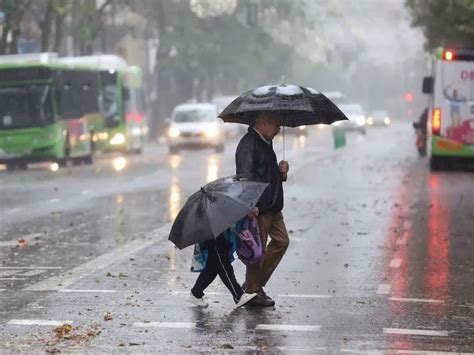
(370, 121)
(117, 139)
(386, 120)
(173, 132)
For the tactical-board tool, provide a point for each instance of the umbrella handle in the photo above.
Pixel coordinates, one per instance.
(283, 142)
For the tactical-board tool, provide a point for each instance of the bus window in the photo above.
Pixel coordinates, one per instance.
(27, 106)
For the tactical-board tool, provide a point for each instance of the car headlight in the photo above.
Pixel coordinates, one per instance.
(370, 121)
(173, 132)
(386, 120)
(337, 123)
(301, 127)
(211, 131)
(117, 139)
(136, 131)
(360, 121)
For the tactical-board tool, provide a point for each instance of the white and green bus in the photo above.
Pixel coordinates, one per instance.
(48, 111)
(122, 100)
(451, 107)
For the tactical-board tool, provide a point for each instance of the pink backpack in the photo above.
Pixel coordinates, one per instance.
(249, 246)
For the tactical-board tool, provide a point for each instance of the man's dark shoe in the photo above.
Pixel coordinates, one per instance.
(266, 296)
(261, 301)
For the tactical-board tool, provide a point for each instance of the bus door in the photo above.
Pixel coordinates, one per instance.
(455, 104)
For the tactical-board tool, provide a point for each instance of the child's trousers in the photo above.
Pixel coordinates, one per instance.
(218, 263)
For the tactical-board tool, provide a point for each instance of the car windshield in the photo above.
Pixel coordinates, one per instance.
(195, 115)
(22, 107)
(351, 109)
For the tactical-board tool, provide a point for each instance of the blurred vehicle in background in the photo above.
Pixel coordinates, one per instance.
(232, 130)
(355, 114)
(449, 116)
(122, 101)
(195, 125)
(48, 111)
(379, 118)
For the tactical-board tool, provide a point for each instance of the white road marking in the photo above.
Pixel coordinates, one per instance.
(53, 200)
(30, 267)
(70, 290)
(426, 352)
(426, 332)
(13, 210)
(395, 263)
(421, 300)
(354, 351)
(60, 282)
(289, 327)
(84, 192)
(293, 349)
(2, 289)
(8, 273)
(304, 296)
(12, 279)
(13, 243)
(37, 322)
(33, 272)
(184, 325)
(384, 289)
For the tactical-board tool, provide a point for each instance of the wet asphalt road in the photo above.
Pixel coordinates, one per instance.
(380, 257)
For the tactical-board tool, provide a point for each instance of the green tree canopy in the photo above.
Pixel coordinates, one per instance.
(448, 23)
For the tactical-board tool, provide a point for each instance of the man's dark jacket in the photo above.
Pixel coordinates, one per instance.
(255, 157)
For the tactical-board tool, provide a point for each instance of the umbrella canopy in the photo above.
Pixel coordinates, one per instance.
(214, 208)
(296, 105)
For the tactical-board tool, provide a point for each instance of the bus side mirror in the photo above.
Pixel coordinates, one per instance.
(428, 85)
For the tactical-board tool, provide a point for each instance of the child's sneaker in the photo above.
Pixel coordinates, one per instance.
(246, 297)
(196, 301)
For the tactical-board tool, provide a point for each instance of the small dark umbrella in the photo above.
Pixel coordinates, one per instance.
(296, 105)
(214, 208)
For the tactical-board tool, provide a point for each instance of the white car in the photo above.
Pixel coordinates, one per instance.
(195, 125)
(379, 118)
(355, 114)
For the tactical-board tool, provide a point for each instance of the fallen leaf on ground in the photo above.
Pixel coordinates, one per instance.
(63, 330)
(108, 316)
(22, 243)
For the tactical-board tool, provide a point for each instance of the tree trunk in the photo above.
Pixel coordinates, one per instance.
(15, 36)
(58, 35)
(3, 40)
(46, 26)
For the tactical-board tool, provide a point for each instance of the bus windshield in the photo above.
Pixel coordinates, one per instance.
(23, 107)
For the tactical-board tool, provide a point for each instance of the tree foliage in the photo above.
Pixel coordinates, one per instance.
(447, 23)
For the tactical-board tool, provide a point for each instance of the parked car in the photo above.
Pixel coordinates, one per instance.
(195, 125)
(355, 114)
(379, 118)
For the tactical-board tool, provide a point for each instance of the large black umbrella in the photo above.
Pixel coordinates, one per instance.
(214, 208)
(296, 105)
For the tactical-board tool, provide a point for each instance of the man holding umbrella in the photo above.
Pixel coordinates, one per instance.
(265, 109)
(255, 156)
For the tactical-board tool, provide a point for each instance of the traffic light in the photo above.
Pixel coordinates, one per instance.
(408, 96)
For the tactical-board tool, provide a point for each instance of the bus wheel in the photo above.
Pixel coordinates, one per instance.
(88, 160)
(437, 164)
